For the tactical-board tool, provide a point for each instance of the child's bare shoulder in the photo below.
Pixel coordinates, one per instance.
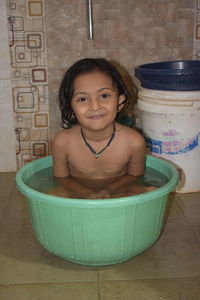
(133, 136)
(131, 132)
(64, 136)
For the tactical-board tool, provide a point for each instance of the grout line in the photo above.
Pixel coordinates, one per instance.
(149, 279)
(98, 282)
(112, 280)
(46, 283)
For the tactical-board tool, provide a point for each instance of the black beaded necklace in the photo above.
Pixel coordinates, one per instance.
(97, 154)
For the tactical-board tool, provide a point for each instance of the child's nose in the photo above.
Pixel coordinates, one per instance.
(94, 104)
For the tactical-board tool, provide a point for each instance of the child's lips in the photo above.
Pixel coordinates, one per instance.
(96, 117)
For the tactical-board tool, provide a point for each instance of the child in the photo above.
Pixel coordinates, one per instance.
(96, 157)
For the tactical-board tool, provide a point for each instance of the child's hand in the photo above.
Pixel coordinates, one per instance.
(102, 194)
(59, 191)
(130, 190)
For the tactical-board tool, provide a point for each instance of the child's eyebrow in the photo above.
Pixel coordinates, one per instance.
(82, 93)
(105, 88)
(100, 90)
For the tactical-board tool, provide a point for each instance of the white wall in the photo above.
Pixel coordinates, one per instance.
(7, 133)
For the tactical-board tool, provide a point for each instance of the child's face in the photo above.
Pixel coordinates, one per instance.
(95, 101)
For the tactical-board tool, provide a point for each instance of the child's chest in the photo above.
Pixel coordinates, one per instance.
(110, 163)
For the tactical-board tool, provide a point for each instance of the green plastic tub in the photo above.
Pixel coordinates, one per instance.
(97, 232)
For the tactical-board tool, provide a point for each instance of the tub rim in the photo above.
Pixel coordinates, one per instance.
(95, 203)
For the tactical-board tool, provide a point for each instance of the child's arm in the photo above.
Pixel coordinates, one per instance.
(136, 164)
(67, 186)
(59, 155)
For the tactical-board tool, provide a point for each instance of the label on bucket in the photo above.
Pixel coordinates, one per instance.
(171, 146)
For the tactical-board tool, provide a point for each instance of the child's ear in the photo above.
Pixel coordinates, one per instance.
(122, 99)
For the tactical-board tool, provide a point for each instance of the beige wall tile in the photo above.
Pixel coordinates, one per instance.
(7, 133)
(129, 32)
(7, 141)
(4, 49)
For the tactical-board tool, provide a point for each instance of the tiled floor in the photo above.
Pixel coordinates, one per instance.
(169, 270)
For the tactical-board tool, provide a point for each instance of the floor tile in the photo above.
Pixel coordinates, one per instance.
(66, 291)
(188, 200)
(169, 270)
(7, 182)
(160, 289)
(23, 260)
(176, 254)
(190, 205)
(196, 230)
(174, 214)
(7, 185)
(3, 204)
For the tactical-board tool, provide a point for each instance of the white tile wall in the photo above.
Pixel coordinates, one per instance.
(7, 134)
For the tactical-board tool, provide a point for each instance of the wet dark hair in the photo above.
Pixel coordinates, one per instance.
(84, 66)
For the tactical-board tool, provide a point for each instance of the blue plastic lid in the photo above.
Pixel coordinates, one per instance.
(183, 75)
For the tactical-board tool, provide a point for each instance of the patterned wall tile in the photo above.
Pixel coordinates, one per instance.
(35, 9)
(197, 32)
(41, 120)
(26, 23)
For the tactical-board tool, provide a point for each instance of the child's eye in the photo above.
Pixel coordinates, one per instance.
(105, 96)
(82, 99)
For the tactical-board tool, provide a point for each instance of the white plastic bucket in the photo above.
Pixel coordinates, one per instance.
(170, 121)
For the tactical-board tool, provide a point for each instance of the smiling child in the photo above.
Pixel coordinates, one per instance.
(97, 157)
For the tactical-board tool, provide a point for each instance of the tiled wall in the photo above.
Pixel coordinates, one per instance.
(26, 23)
(196, 47)
(130, 32)
(7, 135)
(53, 34)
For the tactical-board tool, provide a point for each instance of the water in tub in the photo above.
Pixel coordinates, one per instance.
(43, 181)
